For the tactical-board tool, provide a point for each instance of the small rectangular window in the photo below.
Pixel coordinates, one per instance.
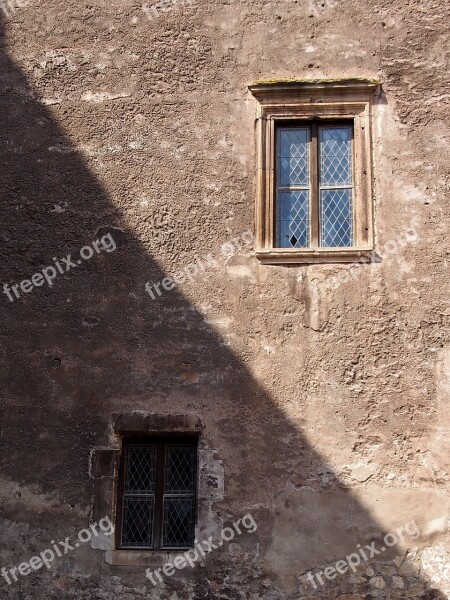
(157, 493)
(314, 185)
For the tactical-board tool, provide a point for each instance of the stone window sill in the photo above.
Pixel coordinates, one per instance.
(140, 558)
(282, 256)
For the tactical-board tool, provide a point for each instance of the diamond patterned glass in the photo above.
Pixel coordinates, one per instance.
(140, 470)
(180, 470)
(293, 187)
(336, 219)
(138, 500)
(335, 155)
(137, 527)
(159, 493)
(293, 219)
(293, 157)
(179, 520)
(179, 496)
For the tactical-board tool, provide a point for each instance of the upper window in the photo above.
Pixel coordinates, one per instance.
(314, 185)
(314, 198)
(157, 493)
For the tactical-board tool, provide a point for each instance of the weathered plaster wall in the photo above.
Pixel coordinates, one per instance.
(323, 397)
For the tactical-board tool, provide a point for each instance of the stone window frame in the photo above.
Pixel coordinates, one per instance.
(104, 470)
(301, 102)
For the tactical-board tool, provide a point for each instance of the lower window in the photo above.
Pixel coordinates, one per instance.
(157, 493)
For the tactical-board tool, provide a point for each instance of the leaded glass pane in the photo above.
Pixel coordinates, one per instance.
(137, 528)
(140, 470)
(336, 218)
(180, 470)
(293, 219)
(179, 520)
(293, 157)
(335, 155)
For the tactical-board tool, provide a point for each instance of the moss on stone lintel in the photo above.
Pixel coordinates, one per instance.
(292, 81)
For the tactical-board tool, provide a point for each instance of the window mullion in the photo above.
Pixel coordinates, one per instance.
(159, 495)
(314, 186)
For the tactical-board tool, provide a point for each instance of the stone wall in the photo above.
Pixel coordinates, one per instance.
(322, 390)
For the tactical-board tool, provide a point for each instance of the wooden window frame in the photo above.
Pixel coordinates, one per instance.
(160, 443)
(303, 103)
(314, 187)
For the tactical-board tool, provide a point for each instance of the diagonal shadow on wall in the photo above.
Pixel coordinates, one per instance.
(94, 343)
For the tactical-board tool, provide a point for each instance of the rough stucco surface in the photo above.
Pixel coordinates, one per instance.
(326, 405)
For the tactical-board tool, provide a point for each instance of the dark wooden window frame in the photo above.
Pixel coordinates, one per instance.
(160, 443)
(301, 102)
(314, 127)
